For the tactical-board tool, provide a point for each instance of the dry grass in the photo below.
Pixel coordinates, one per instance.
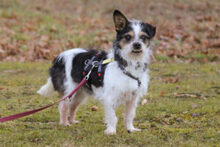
(35, 30)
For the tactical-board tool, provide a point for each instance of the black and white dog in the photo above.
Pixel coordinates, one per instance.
(122, 81)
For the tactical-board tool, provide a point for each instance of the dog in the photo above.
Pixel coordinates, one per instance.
(124, 80)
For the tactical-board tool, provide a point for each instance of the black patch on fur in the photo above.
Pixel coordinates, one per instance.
(149, 29)
(57, 73)
(120, 34)
(78, 65)
(121, 61)
(137, 66)
(145, 66)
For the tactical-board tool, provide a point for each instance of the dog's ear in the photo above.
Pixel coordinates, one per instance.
(120, 20)
(151, 30)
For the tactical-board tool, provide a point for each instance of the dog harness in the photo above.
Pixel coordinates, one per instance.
(91, 63)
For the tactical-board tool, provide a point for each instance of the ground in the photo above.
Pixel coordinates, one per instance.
(38, 30)
(182, 106)
(182, 109)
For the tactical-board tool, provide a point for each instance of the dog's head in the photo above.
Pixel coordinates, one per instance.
(133, 37)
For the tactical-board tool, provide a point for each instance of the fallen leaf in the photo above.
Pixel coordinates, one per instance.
(173, 79)
(177, 86)
(214, 45)
(179, 119)
(162, 93)
(194, 114)
(1, 88)
(194, 105)
(53, 29)
(144, 101)
(185, 112)
(94, 108)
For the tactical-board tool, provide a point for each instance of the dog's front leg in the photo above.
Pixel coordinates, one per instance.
(130, 109)
(63, 113)
(110, 119)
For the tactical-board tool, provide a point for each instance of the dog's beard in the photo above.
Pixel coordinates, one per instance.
(127, 54)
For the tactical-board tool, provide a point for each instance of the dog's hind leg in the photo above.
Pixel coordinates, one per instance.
(75, 102)
(63, 113)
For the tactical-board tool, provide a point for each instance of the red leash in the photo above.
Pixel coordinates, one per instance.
(19, 115)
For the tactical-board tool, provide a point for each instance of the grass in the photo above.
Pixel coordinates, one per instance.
(182, 110)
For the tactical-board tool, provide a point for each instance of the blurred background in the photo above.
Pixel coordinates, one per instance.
(36, 30)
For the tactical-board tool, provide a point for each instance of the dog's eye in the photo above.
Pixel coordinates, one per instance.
(127, 37)
(144, 37)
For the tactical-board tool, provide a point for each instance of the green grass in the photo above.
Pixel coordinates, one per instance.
(168, 119)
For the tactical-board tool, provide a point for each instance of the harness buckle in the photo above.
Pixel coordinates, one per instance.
(86, 61)
(95, 63)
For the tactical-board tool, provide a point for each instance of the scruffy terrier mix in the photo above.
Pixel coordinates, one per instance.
(122, 81)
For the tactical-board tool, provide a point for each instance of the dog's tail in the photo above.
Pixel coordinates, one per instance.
(47, 89)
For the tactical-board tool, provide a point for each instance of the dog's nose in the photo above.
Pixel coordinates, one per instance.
(137, 45)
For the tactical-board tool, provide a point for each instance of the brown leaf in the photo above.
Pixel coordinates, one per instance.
(94, 108)
(53, 29)
(214, 45)
(2, 88)
(173, 79)
(196, 39)
(162, 93)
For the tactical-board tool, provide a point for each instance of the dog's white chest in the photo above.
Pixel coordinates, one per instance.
(116, 79)
(119, 87)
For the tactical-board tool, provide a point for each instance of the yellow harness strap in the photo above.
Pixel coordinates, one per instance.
(108, 60)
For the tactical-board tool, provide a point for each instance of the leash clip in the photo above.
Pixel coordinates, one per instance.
(88, 75)
(95, 63)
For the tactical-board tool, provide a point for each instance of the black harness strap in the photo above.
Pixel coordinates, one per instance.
(133, 77)
(100, 68)
(122, 63)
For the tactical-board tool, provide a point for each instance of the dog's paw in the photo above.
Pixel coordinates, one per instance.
(110, 131)
(74, 122)
(65, 124)
(134, 130)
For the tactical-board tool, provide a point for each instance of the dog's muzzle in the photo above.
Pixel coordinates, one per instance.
(136, 48)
